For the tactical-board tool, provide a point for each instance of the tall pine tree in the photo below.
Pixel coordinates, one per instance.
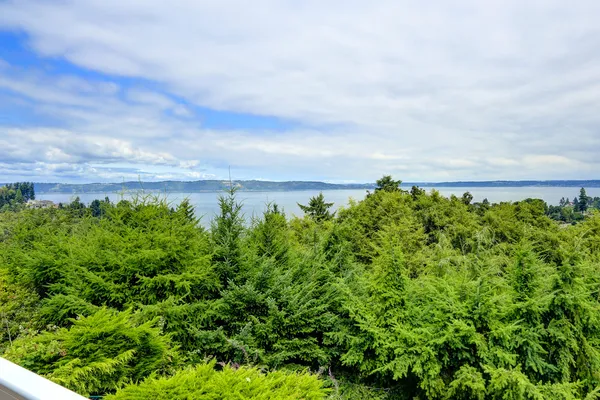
(317, 208)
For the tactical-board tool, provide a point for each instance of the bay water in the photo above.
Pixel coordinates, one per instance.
(254, 203)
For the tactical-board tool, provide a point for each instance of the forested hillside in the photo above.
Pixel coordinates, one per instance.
(404, 295)
(194, 186)
(258, 186)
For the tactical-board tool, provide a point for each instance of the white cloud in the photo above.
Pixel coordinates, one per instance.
(550, 161)
(52, 145)
(501, 89)
(148, 97)
(502, 162)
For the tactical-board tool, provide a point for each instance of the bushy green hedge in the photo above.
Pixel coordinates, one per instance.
(97, 354)
(204, 382)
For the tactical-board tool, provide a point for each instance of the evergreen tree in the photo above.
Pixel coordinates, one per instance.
(270, 234)
(76, 208)
(19, 199)
(98, 354)
(387, 184)
(27, 190)
(96, 208)
(583, 200)
(186, 211)
(227, 229)
(31, 191)
(571, 321)
(416, 191)
(16, 193)
(467, 198)
(204, 382)
(317, 208)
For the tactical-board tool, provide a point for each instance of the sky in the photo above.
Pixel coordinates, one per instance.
(336, 91)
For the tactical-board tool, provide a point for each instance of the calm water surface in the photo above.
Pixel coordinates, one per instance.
(254, 202)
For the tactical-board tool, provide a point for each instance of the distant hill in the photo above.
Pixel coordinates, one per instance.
(269, 186)
(553, 183)
(194, 186)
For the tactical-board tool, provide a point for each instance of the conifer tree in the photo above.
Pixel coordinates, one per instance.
(204, 382)
(19, 199)
(98, 354)
(467, 198)
(583, 201)
(317, 208)
(270, 234)
(387, 184)
(226, 230)
(31, 191)
(96, 208)
(416, 191)
(186, 211)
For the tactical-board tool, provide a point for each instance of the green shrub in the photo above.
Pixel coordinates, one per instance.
(203, 382)
(97, 354)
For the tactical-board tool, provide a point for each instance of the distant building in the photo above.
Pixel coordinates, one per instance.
(41, 204)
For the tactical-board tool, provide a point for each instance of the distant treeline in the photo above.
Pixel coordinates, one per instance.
(508, 184)
(195, 186)
(571, 211)
(16, 193)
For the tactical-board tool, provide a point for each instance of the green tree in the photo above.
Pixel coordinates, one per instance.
(563, 202)
(31, 191)
(416, 191)
(467, 198)
(583, 201)
(227, 229)
(270, 234)
(27, 189)
(387, 184)
(76, 207)
(96, 208)
(317, 208)
(186, 211)
(19, 199)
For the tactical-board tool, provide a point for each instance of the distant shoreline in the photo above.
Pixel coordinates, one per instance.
(215, 186)
(509, 184)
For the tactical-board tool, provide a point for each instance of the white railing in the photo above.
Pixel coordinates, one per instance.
(18, 383)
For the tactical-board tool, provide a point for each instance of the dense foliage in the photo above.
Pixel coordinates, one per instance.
(403, 295)
(203, 382)
(573, 211)
(15, 194)
(96, 353)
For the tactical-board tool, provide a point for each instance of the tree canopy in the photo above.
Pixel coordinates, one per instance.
(402, 295)
(15, 194)
(387, 184)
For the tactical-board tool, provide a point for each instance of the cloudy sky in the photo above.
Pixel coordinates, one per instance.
(338, 90)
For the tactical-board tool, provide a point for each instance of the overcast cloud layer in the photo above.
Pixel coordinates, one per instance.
(105, 90)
